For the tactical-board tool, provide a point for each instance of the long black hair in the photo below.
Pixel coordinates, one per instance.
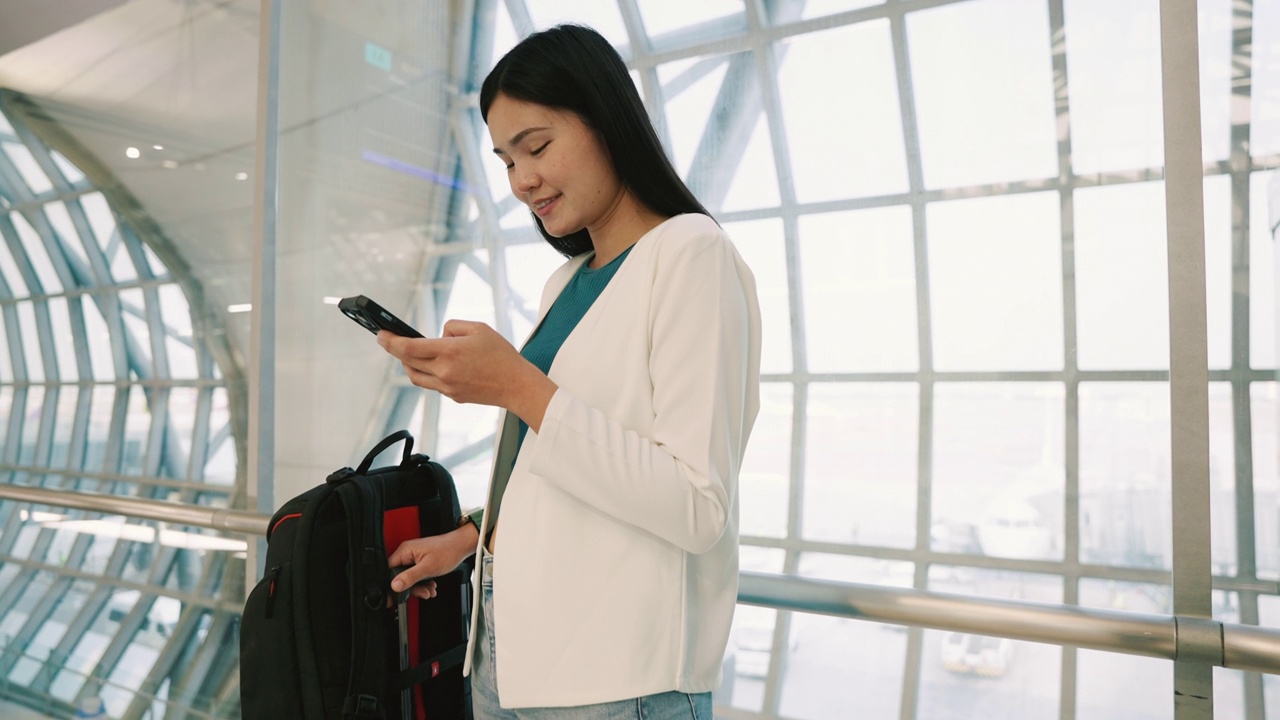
(572, 67)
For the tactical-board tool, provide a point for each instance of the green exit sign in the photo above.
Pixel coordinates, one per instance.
(377, 56)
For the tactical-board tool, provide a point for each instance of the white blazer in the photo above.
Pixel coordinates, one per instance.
(617, 573)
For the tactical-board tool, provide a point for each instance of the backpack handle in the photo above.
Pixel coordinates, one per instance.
(387, 442)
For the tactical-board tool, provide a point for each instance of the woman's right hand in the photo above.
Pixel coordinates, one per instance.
(431, 557)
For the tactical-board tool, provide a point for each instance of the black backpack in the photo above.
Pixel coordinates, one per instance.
(318, 639)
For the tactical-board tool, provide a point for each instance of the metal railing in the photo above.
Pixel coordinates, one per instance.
(1170, 637)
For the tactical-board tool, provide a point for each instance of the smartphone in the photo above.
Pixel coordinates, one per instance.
(374, 317)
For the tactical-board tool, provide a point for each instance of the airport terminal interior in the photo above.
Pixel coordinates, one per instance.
(1015, 258)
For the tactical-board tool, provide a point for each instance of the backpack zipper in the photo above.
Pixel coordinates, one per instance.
(271, 590)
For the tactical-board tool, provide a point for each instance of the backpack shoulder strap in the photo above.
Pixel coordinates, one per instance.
(369, 585)
(308, 670)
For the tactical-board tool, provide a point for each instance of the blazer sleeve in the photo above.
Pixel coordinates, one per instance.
(678, 483)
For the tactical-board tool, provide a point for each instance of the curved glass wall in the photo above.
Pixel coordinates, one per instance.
(955, 212)
(108, 384)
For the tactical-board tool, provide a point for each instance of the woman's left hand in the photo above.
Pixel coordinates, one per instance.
(472, 363)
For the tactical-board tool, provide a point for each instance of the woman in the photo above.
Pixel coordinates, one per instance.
(627, 412)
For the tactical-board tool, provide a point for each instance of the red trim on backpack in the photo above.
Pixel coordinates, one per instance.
(398, 526)
(281, 520)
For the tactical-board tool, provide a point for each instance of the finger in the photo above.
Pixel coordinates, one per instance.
(403, 555)
(458, 328)
(407, 578)
(426, 591)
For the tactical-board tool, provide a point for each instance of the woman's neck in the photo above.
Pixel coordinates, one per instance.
(625, 223)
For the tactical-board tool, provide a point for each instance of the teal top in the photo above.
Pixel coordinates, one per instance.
(565, 313)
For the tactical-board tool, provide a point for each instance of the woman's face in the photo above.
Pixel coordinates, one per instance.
(556, 165)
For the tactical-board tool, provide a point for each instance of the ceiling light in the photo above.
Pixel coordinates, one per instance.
(332, 300)
(242, 308)
(170, 164)
(242, 176)
(132, 153)
(158, 147)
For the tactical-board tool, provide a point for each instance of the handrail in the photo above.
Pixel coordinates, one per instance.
(1241, 647)
(195, 515)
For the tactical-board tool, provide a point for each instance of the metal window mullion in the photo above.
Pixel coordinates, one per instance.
(40, 613)
(465, 123)
(187, 689)
(924, 334)
(175, 646)
(766, 66)
(69, 269)
(95, 600)
(1188, 349)
(1067, 706)
(648, 72)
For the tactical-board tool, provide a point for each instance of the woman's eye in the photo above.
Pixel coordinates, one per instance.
(510, 167)
(539, 150)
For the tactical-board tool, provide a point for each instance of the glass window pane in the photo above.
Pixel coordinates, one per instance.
(603, 16)
(32, 350)
(5, 127)
(1113, 686)
(179, 342)
(860, 463)
(136, 431)
(27, 167)
(983, 86)
(748, 655)
(470, 297)
(1215, 20)
(834, 664)
(1266, 479)
(845, 139)
(63, 340)
(755, 184)
(158, 268)
(64, 423)
(1122, 282)
(1222, 479)
(6, 406)
(1262, 279)
(91, 646)
(998, 469)
(12, 275)
(968, 675)
(134, 309)
(182, 416)
(689, 105)
(100, 412)
(31, 426)
(1113, 62)
(821, 8)
(528, 267)
(99, 340)
(100, 218)
(1269, 616)
(37, 254)
(859, 282)
(661, 16)
(764, 487)
(1264, 135)
(763, 247)
(1125, 491)
(60, 219)
(995, 283)
(6, 364)
(69, 171)
(1217, 260)
(122, 267)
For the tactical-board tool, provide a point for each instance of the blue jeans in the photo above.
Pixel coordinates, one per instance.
(672, 705)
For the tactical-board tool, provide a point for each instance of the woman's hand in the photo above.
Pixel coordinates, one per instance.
(431, 557)
(472, 363)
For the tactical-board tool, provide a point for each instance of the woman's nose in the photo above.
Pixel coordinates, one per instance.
(526, 181)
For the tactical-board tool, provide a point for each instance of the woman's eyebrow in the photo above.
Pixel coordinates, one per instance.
(515, 139)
